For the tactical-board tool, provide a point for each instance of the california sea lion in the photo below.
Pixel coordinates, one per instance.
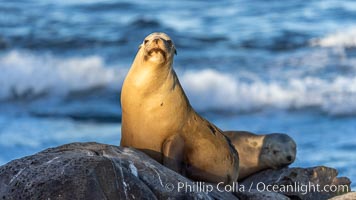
(158, 119)
(259, 152)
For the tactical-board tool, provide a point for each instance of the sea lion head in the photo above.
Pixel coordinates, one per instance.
(278, 150)
(158, 48)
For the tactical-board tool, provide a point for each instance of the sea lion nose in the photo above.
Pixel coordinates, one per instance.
(289, 158)
(156, 40)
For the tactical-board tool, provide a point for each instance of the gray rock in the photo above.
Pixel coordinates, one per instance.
(94, 171)
(295, 182)
(99, 171)
(258, 195)
(348, 196)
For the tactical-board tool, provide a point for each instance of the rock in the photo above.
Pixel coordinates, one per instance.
(295, 182)
(94, 171)
(258, 195)
(348, 196)
(99, 171)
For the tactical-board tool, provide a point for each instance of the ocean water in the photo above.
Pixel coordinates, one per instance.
(285, 67)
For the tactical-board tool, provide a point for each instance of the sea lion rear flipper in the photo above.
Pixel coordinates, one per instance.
(172, 149)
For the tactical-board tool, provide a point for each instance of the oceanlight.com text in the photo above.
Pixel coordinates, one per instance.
(295, 187)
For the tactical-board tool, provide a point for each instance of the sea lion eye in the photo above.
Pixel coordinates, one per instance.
(169, 42)
(145, 42)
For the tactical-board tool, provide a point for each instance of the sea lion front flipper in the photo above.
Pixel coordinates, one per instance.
(173, 149)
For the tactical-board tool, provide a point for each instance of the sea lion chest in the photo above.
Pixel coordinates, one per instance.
(152, 109)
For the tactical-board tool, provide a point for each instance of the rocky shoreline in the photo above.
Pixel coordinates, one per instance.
(100, 171)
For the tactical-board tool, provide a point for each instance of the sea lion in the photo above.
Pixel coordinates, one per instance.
(259, 152)
(158, 119)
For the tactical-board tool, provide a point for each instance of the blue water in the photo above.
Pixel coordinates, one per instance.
(245, 65)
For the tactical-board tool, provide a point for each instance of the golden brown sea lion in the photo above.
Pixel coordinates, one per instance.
(158, 119)
(259, 152)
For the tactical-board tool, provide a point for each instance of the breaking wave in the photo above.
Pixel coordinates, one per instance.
(209, 89)
(345, 38)
(25, 75)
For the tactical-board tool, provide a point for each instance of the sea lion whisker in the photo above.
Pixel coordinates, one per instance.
(157, 50)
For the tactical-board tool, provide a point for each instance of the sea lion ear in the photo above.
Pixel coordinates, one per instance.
(139, 47)
(175, 51)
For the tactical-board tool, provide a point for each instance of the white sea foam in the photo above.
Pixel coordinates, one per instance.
(344, 38)
(207, 89)
(24, 73)
(210, 89)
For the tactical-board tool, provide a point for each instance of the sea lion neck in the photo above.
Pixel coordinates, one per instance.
(151, 77)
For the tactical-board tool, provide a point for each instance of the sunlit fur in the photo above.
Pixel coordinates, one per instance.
(158, 119)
